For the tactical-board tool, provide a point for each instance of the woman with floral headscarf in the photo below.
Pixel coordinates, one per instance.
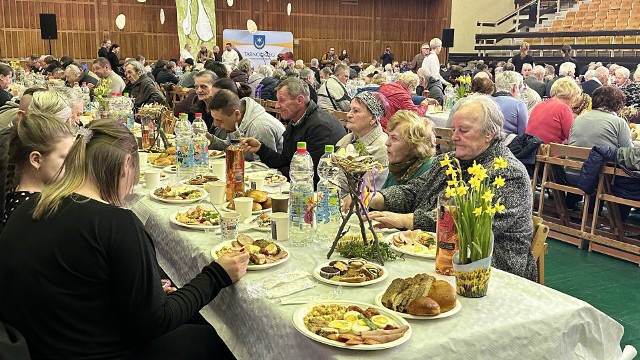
(363, 120)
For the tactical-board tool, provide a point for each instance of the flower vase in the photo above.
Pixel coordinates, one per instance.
(472, 279)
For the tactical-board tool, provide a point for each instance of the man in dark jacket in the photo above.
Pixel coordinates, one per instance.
(168, 74)
(140, 86)
(308, 123)
(76, 75)
(387, 56)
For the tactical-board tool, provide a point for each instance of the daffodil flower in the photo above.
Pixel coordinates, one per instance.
(475, 169)
(500, 208)
(475, 183)
(487, 196)
(451, 172)
(499, 163)
(452, 182)
(445, 162)
(477, 211)
(462, 190)
(449, 192)
(498, 181)
(490, 211)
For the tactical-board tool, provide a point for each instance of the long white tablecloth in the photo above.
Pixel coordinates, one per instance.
(518, 319)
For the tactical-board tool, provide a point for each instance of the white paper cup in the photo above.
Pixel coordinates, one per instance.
(243, 207)
(216, 190)
(152, 178)
(280, 226)
(219, 168)
(229, 225)
(258, 180)
(144, 159)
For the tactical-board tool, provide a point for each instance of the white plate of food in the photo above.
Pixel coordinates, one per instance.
(421, 297)
(171, 169)
(198, 218)
(200, 180)
(163, 160)
(263, 254)
(350, 273)
(261, 222)
(270, 179)
(216, 154)
(178, 194)
(416, 243)
(261, 202)
(348, 324)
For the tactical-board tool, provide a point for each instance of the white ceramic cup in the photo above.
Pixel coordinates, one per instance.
(144, 159)
(280, 226)
(229, 225)
(219, 168)
(216, 190)
(243, 207)
(152, 178)
(258, 180)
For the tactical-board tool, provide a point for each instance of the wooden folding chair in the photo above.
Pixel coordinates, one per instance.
(539, 246)
(443, 139)
(270, 107)
(562, 225)
(341, 116)
(614, 242)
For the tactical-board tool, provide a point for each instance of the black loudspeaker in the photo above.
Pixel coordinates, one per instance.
(447, 38)
(48, 27)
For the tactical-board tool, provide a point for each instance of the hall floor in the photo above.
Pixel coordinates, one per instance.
(609, 284)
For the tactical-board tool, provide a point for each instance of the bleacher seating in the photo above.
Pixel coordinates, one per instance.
(596, 15)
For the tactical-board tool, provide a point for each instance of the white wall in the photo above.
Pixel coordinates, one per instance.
(465, 14)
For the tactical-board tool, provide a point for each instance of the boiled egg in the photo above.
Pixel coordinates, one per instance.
(380, 320)
(252, 248)
(340, 325)
(351, 316)
(359, 326)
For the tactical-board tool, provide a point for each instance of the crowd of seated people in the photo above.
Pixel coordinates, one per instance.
(43, 151)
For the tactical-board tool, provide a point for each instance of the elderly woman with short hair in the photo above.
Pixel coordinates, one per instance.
(622, 75)
(477, 125)
(410, 147)
(507, 96)
(140, 86)
(398, 95)
(632, 90)
(551, 120)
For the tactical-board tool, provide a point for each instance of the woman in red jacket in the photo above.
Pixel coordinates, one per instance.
(398, 95)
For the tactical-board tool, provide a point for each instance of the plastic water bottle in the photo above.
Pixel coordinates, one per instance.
(86, 97)
(184, 148)
(127, 107)
(201, 145)
(328, 212)
(449, 98)
(302, 220)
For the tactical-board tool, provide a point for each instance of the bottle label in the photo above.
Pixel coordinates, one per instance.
(327, 203)
(301, 208)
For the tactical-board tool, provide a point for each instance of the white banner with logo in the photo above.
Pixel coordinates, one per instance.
(261, 46)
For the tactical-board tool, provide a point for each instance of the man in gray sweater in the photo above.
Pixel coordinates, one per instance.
(247, 118)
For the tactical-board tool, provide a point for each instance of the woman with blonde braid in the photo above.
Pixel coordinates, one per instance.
(38, 146)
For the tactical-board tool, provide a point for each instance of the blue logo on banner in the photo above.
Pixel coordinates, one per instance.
(259, 41)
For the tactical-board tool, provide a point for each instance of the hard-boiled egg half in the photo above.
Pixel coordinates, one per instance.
(359, 326)
(340, 325)
(380, 320)
(351, 316)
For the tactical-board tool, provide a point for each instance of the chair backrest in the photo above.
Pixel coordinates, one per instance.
(340, 115)
(443, 139)
(540, 233)
(270, 107)
(566, 155)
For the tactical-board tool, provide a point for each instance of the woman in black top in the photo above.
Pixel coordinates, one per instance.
(38, 145)
(112, 56)
(522, 58)
(79, 273)
(343, 55)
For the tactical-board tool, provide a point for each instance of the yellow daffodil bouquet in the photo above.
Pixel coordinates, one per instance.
(103, 90)
(464, 86)
(475, 205)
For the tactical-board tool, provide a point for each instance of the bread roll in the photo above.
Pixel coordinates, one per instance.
(266, 204)
(257, 196)
(256, 207)
(171, 150)
(444, 294)
(423, 306)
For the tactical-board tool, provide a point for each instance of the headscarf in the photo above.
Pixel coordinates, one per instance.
(372, 103)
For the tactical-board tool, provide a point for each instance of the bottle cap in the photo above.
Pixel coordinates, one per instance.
(84, 83)
(198, 115)
(126, 94)
(113, 94)
(184, 116)
(328, 148)
(302, 145)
